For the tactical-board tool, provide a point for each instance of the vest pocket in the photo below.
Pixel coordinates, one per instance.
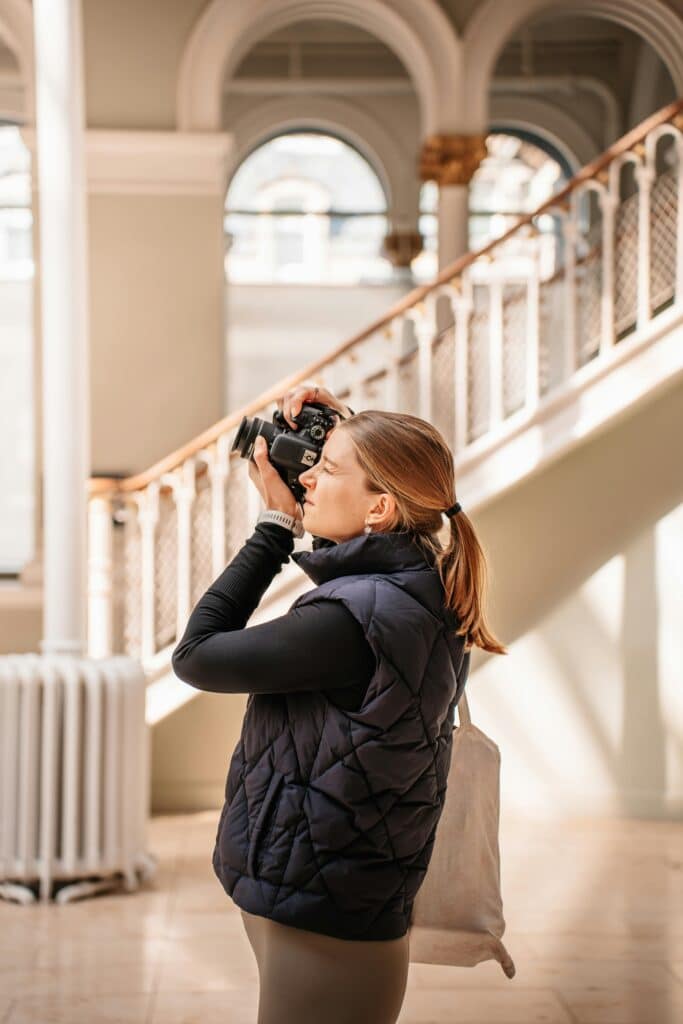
(262, 820)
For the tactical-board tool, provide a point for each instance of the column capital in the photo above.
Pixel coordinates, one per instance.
(451, 159)
(401, 247)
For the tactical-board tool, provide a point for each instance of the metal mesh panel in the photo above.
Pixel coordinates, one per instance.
(663, 251)
(478, 364)
(132, 583)
(514, 347)
(166, 572)
(626, 265)
(589, 294)
(409, 385)
(200, 555)
(443, 368)
(236, 505)
(551, 340)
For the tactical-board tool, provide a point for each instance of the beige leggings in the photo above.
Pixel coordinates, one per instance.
(306, 977)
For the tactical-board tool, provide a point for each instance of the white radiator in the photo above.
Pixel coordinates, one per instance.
(74, 776)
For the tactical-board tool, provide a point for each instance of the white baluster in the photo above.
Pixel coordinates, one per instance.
(254, 505)
(355, 398)
(147, 503)
(570, 232)
(644, 177)
(396, 334)
(183, 485)
(219, 470)
(533, 323)
(424, 321)
(495, 353)
(100, 572)
(462, 312)
(672, 131)
(609, 201)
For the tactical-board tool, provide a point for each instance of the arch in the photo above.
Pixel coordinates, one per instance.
(541, 117)
(16, 27)
(493, 23)
(420, 35)
(360, 130)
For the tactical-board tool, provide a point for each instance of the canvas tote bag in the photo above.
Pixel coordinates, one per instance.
(457, 915)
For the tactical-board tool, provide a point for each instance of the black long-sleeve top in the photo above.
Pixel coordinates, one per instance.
(318, 646)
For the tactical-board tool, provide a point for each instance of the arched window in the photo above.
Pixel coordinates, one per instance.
(16, 347)
(305, 208)
(519, 172)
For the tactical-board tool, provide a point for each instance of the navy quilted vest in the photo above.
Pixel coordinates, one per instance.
(330, 815)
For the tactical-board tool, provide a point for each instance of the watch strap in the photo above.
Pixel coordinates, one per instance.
(273, 515)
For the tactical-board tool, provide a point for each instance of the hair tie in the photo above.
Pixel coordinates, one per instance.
(453, 510)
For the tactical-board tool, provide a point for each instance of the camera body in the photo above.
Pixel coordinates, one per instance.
(290, 451)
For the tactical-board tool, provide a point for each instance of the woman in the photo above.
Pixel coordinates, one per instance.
(338, 780)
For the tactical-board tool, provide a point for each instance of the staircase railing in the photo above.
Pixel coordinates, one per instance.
(477, 352)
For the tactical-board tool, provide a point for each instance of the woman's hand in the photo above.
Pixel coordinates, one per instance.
(291, 402)
(268, 482)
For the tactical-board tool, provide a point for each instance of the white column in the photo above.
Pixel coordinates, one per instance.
(453, 223)
(64, 290)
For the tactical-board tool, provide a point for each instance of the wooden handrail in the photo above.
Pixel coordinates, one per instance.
(107, 485)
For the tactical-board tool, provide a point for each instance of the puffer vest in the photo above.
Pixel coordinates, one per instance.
(330, 815)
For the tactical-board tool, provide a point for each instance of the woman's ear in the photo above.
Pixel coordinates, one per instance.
(383, 511)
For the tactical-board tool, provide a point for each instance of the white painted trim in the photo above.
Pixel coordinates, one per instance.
(421, 35)
(391, 163)
(493, 23)
(16, 27)
(315, 86)
(154, 163)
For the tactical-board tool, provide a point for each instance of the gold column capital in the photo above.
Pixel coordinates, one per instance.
(451, 159)
(401, 247)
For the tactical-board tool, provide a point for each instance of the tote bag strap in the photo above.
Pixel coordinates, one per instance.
(463, 710)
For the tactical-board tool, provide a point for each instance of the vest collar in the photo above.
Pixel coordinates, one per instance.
(367, 553)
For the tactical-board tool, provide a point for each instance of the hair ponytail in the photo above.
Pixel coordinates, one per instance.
(409, 458)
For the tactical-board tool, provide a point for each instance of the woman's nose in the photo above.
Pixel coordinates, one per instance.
(306, 478)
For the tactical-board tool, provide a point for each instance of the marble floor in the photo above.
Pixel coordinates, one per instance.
(594, 913)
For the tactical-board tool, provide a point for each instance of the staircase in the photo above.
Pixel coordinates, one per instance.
(518, 352)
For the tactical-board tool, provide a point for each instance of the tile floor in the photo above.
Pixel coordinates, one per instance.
(594, 914)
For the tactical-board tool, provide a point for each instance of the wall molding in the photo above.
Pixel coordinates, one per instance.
(153, 163)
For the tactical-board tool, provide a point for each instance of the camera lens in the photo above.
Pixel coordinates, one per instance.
(248, 431)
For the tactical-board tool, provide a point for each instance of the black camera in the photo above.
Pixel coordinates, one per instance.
(291, 451)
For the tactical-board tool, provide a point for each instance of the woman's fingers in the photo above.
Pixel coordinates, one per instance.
(273, 489)
(293, 400)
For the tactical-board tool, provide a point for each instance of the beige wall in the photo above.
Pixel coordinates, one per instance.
(122, 42)
(156, 325)
(585, 589)
(274, 330)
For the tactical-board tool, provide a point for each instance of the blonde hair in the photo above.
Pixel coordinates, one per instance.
(409, 458)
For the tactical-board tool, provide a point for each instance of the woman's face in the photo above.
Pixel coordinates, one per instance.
(338, 504)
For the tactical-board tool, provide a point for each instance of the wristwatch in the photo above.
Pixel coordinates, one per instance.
(274, 515)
